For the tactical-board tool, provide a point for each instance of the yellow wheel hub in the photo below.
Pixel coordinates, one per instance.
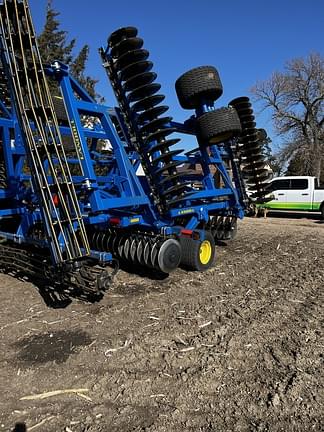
(205, 252)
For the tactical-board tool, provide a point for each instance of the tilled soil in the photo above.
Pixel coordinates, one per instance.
(237, 348)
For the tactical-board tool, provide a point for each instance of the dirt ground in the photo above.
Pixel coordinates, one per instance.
(238, 348)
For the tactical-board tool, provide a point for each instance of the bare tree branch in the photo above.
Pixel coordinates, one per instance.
(296, 100)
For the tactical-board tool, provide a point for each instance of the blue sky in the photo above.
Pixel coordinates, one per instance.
(246, 40)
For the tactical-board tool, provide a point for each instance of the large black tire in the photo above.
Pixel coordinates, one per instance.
(322, 211)
(217, 126)
(198, 86)
(191, 257)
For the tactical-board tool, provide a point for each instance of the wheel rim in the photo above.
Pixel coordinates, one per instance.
(205, 252)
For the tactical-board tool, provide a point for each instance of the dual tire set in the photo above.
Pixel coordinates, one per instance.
(201, 87)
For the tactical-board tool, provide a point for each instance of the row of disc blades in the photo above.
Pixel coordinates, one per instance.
(254, 164)
(135, 248)
(144, 110)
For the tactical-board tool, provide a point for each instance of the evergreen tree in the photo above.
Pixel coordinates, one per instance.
(77, 69)
(53, 45)
(52, 41)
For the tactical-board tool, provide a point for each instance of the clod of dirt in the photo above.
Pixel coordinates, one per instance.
(276, 400)
(47, 347)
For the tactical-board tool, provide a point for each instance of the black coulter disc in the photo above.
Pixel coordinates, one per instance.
(178, 200)
(152, 113)
(139, 80)
(147, 103)
(154, 253)
(127, 248)
(240, 102)
(118, 35)
(126, 45)
(167, 167)
(169, 256)
(254, 166)
(133, 248)
(135, 69)
(140, 251)
(248, 124)
(131, 57)
(159, 134)
(147, 253)
(171, 178)
(143, 91)
(178, 188)
(162, 145)
(245, 111)
(155, 124)
(166, 156)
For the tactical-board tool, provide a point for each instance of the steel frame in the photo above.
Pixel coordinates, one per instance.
(119, 198)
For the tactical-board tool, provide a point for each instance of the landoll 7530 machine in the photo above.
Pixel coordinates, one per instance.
(72, 204)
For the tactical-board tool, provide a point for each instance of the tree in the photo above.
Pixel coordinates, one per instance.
(296, 165)
(273, 160)
(53, 45)
(77, 69)
(296, 99)
(52, 42)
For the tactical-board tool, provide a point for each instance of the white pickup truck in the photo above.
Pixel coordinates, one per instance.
(293, 193)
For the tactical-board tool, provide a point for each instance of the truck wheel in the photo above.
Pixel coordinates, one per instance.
(322, 211)
(198, 255)
(197, 86)
(217, 126)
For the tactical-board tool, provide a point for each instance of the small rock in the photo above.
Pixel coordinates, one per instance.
(276, 400)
